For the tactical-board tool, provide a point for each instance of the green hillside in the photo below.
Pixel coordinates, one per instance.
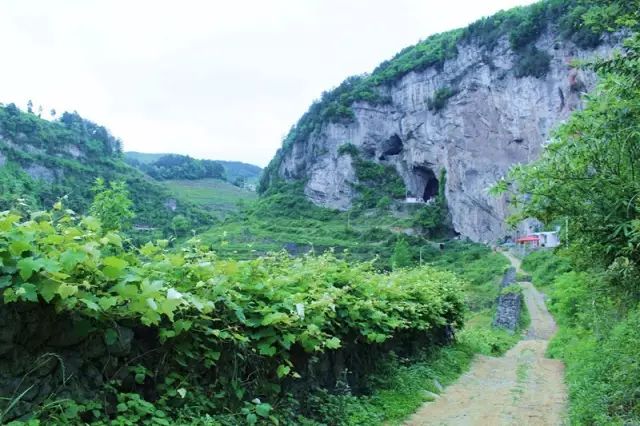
(44, 160)
(233, 169)
(214, 195)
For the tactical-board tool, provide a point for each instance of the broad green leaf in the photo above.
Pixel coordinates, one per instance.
(107, 302)
(27, 291)
(5, 281)
(90, 304)
(71, 258)
(28, 266)
(115, 262)
(48, 290)
(182, 392)
(263, 409)
(283, 370)
(333, 343)
(275, 318)
(17, 247)
(266, 349)
(67, 290)
(91, 223)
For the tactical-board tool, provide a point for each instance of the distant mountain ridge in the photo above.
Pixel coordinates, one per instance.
(234, 170)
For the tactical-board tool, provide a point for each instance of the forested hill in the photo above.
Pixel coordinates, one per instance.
(43, 160)
(175, 166)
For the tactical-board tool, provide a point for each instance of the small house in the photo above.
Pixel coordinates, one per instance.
(548, 239)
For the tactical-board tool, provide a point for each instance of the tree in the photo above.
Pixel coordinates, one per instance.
(180, 225)
(112, 205)
(401, 257)
(30, 106)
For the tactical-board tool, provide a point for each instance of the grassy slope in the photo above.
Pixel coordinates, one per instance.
(215, 195)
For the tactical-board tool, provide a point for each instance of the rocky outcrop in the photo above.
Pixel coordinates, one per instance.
(493, 121)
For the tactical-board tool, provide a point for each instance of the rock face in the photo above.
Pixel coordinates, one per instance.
(493, 121)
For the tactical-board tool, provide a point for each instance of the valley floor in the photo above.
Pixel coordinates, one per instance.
(523, 387)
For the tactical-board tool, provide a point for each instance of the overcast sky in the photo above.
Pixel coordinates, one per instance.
(212, 79)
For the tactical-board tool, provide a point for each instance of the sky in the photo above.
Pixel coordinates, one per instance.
(213, 79)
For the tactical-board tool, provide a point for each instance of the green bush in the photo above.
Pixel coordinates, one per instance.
(544, 266)
(214, 319)
(440, 97)
(532, 63)
(600, 351)
(348, 148)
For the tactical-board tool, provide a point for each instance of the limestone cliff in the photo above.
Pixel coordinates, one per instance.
(491, 120)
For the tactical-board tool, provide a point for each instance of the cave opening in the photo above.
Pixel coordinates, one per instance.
(392, 146)
(426, 183)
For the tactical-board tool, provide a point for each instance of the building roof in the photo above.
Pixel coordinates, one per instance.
(528, 239)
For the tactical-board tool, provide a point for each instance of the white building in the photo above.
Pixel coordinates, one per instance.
(548, 239)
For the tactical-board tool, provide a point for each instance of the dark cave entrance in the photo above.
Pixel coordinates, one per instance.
(392, 146)
(426, 183)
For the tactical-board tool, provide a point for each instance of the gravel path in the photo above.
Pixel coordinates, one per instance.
(520, 388)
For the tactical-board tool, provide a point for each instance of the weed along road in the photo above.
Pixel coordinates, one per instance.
(520, 388)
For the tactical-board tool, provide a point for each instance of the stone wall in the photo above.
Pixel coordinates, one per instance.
(509, 303)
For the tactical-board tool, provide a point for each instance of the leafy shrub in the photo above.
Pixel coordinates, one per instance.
(532, 63)
(348, 148)
(214, 319)
(440, 97)
(544, 266)
(600, 352)
(376, 181)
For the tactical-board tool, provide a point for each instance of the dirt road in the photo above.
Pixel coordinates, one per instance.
(520, 388)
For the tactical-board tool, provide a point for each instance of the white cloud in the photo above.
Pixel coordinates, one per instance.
(214, 79)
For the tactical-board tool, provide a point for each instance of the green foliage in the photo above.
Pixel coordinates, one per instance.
(348, 148)
(532, 62)
(180, 225)
(599, 345)
(64, 157)
(440, 97)
(376, 181)
(210, 315)
(216, 196)
(544, 266)
(112, 205)
(233, 170)
(401, 257)
(174, 166)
